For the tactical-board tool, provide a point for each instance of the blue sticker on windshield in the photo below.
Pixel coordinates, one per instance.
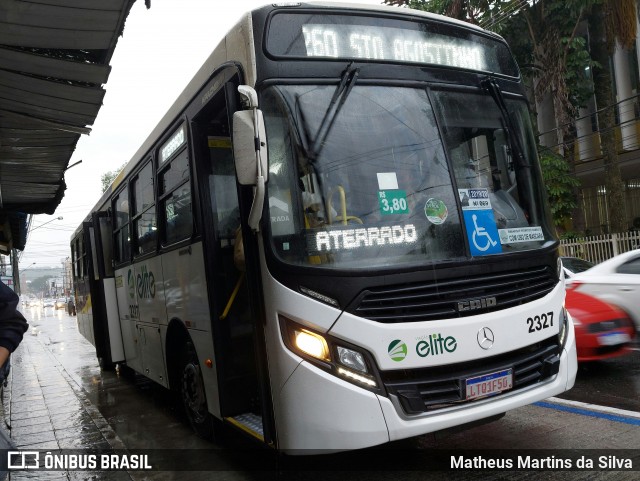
(482, 232)
(479, 221)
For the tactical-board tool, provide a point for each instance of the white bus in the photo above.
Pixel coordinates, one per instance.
(400, 271)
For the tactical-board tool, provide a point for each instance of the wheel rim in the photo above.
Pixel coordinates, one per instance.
(193, 392)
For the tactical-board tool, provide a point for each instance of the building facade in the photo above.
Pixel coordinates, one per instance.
(589, 165)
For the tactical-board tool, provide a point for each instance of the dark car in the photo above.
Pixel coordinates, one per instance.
(574, 265)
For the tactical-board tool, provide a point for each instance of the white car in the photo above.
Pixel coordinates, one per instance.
(616, 281)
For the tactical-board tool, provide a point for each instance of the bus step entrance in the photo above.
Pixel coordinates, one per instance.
(249, 423)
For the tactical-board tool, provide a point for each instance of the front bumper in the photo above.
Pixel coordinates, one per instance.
(318, 412)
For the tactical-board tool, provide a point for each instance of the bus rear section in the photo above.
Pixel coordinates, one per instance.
(95, 288)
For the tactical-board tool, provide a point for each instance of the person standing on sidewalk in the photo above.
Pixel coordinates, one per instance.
(13, 325)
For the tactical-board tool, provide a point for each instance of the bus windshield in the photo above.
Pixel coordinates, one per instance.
(383, 187)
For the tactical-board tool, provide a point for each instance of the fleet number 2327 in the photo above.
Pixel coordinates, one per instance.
(540, 322)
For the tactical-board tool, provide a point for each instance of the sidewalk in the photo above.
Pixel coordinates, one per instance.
(45, 405)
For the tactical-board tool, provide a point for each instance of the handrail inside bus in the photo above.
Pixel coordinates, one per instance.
(343, 208)
(232, 298)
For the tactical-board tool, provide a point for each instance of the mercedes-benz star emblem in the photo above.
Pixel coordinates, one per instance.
(485, 338)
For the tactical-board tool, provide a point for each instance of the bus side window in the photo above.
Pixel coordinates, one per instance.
(176, 199)
(178, 215)
(280, 207)
(121, 241)
(144, 218)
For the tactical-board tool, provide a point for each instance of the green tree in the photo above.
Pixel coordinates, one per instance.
(108, 177)
(560, 185)
(558, 56)
(40, 284)
(610, 22)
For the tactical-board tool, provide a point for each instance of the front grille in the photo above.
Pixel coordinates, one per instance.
(428, 389)
(424, 301)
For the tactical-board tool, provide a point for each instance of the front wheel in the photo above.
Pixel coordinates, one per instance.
(193, 395)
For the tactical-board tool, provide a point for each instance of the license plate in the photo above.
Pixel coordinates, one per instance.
(488, 384)
(613, 338)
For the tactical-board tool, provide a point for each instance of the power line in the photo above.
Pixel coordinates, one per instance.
(60, 228)
(507, 12)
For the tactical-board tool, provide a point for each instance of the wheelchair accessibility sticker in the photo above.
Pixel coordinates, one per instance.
(479, 222)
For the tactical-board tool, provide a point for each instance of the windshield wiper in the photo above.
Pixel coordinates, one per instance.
(525, 182)
(315, 145)
(491, 85)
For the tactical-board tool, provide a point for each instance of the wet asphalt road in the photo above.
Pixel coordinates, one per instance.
(612, 382)
(144, 416)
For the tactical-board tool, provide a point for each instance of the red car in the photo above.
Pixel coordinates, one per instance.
(602, 330)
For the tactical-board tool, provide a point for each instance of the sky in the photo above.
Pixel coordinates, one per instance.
(157, 55)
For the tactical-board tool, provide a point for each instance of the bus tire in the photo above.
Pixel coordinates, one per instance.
(193, 395)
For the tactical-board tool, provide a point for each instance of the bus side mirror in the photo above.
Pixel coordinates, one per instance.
(250, 151)
(248, 147)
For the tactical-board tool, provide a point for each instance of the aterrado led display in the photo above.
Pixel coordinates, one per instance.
(336, 240)
(389, 43)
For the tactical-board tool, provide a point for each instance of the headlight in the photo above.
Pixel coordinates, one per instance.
(332, 355)
(312, 344)
(352, 359)
(562, 335)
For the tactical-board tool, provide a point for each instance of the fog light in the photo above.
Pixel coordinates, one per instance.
(352, 359)
(312, 344)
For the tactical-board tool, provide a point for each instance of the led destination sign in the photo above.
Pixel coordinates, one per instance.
(421, 41)
(385, 43)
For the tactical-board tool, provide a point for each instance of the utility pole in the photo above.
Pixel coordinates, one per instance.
(64, 277)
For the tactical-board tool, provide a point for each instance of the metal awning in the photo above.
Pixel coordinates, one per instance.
(54, 62)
